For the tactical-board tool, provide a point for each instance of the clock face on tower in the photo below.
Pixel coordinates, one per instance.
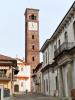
(32, 26)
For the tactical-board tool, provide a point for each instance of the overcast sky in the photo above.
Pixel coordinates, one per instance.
(12, 22)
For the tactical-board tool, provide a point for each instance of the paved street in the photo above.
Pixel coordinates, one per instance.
(32, 97)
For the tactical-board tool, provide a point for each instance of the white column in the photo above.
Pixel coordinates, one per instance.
(41, 83)
(65, 80)
(73, 73)
(69, 78)
(60, 82)
(49, 81)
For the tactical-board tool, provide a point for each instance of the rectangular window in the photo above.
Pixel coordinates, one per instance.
(43, 59)
(66, 37)
(32, 36)
(55, 47)
(33, 59)
(33, 47)
(47, 84)
(21, 84)
(44, 85)
(74, 28)
(56, 83)
(59, 43)
(46, 57)
(22, 69)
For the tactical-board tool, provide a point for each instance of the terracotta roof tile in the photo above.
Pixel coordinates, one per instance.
(3, 57)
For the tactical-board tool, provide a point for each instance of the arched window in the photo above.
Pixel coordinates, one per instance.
(32, 17)
(16, 88)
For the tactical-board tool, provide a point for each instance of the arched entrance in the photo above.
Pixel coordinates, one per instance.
(16, 88)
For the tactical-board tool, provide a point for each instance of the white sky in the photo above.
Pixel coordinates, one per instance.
(12, 22)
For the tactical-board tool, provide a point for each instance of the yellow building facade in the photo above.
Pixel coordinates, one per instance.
(8, 67)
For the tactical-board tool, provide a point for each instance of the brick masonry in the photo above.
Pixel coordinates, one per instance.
(29, 52)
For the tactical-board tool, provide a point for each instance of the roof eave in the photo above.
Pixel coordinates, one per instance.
(66, 17)
(44, 45)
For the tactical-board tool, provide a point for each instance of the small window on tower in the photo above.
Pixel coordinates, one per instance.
(32, 17)
(32, 36)
(33, 59)
(33, 46)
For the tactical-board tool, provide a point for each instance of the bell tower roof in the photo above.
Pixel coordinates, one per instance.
(32, 9)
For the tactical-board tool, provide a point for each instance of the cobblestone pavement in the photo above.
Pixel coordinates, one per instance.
(32, 97)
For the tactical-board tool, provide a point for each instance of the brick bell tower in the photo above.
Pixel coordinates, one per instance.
(32, 37)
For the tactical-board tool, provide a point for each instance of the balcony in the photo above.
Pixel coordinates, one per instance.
(37, 83)
(66, 46)
(4, 75)
(34, 75)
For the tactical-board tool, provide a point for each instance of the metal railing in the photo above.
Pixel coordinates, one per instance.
(63, 47)
(4, 77)
(37, 82)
